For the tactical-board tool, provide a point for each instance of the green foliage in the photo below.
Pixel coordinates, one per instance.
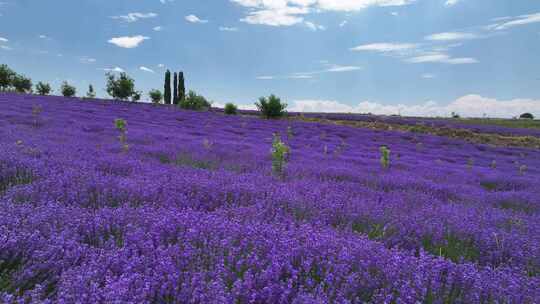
(6, 77)
(121, 87)
(155, 96)
(175, 88)
(280, 155)
(43, 88)
(91, 93)
(167, 88)
(271, 107)
(526, 116)
(195, 102)
(231, 109)
(68, 90)
(181, 87)
(385, 156)
(136, 96)
(455, 115)
(121, 125)
(22, 84)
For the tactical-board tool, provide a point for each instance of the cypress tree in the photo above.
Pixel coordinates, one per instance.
(167, 88)
(181, 87)
(175, 88)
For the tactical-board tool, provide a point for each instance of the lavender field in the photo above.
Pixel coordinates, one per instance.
(191, 212)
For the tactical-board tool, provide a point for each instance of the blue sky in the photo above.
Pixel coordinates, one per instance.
(414, 57)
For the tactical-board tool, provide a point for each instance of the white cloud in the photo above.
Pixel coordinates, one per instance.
(285, 16)
(299, 76)
(314, 27)
(440, 58)
(451, 2)
(87, 60)
(157, 28)
(2, 39)
(127, 41)
(451, 36)
(143, 68)
(161, 65)
(265, 77)
(394, 13)
(343, 23)
(467, 106)
(115, 69)
(517, 21)
(385, 47)
(133, 17)
(228, 29)
(195, 19)
(428, 76)
(43, 37)
(339, 68)
(5, 48)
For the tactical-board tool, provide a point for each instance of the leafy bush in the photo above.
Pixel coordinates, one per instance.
(68, 90)
(231, 109)
(121, 87)
(385, 157)
(280, 153)
(6, 77)
(91, 93)
(155, 96)
(526, 116)
(121, 125)
(271, 107)
(194, 102)
(43, 88)
(22, 84)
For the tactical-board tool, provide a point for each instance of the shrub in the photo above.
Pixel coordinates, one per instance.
(43, 88)
(155, 96)
(231, 109)
(455, 115)
(280, 153)
(271, 107)
(22, 84)
(91, 93)
(194, 102)
(385, 157)
(121, 87)
(121, 125)
(6, 77)
(68, 90)
(526, 116)
(136, 96)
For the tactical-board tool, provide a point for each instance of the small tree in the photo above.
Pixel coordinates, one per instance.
(121, 87)
(195, 102)
(175, 88)
(385, 157)
(68, 90)
(43, 88)
(455, 115)
(280, 154)
(271, 107)
(231, 109)
(121, 126)
(167, 88)
(136, 96)
(22, 84)
(181, 87)
(91, 93)
(6, 77)
(155, 96)
(526, 116)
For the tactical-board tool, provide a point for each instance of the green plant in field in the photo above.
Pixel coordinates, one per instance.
(385, 156)
(271, 107)
(280, 154)
(231, 109)
(121, 125)
(36, 111)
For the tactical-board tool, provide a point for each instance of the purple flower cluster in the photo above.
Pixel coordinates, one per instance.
(192, 213)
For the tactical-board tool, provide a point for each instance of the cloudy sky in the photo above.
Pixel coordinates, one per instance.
(413, 57)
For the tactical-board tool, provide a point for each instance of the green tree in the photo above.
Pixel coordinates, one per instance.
(526, 116)
(22, 84)
(43, 88)
(155, 96)
(6, 77)
(195, 102)
(231, 109)
(91, 93)
(271, 107)
(175, 88)
(121, 87)
(181, 87)
(167, 88)
(68, 90)
(136, 96)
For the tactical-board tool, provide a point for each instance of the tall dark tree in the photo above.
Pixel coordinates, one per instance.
(167, 88)
(181, 87)
(175, 88)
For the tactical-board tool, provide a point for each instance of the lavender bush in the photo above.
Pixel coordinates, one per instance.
(175, 222)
